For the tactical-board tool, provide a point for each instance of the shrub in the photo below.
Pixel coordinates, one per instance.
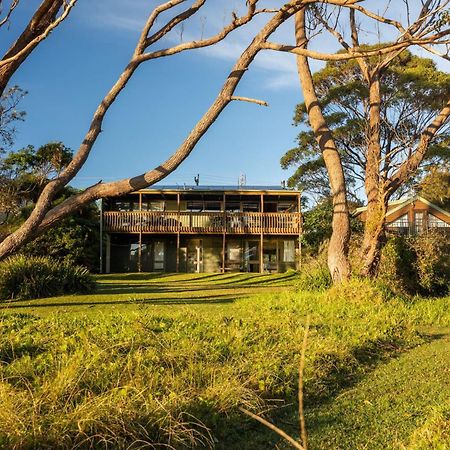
(417, 265)
(397, 266)
(314, 277)
(432, 263)
(24, 277)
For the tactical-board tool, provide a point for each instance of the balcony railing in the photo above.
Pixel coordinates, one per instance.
(204, 222)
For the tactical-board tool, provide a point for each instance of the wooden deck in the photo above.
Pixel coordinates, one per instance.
(204, 222)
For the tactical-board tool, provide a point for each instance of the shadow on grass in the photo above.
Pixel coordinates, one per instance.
(335, 375)
(204, 300)
(107, 288)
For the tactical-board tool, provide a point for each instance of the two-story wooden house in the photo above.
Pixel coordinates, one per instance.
(203, 229)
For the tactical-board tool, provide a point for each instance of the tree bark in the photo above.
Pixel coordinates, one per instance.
(374, 185)
(338, 262)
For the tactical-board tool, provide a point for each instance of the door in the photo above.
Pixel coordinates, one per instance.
(195, 256)
(158, 256)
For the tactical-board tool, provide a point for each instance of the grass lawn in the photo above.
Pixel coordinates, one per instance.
(128, 292)
(168, 359)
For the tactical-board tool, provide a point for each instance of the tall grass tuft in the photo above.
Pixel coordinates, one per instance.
(23, 277)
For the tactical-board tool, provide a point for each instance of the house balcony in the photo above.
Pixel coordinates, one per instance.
(187, 222)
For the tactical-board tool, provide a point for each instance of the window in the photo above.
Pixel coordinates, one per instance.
(286, 207)
(194, 206)
(418, 221)
(234, 251)
(124, 206)
(153, 206)
(251, 251)
(401, 222)
(435, 222)
(289, 251)
(250, 207)
(213, 206)
(233, 206)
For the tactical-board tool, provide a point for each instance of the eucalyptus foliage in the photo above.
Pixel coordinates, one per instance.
(413, 91)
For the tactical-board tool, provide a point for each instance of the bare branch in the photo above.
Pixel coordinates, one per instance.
(250, 100)
(12, 7)
(412, 163)
(43, 21)
(33, 43)
(352, 53)
(273, 427)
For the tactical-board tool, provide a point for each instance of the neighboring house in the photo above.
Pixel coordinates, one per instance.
(203, 229)
(412, 216)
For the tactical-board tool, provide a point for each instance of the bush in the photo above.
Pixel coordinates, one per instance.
(417, 265)
(432, 263)
(314, 277)
(23, 277)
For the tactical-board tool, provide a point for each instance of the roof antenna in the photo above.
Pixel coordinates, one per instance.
(197, 179)
(242, 181)
(283, 184)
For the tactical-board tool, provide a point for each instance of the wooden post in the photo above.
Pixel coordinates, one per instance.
(140, 234)
(300, 230)
(101, 236)
(261, 246)
(178, 233)
(224, 226)
(278, 255)
(140, 251)
(108, 254)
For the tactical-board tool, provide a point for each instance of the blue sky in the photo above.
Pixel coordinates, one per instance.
(71, 71)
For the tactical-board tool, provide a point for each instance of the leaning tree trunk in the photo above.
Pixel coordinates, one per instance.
(338, 262)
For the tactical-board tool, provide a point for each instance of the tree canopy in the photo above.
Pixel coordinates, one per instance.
(413, 91)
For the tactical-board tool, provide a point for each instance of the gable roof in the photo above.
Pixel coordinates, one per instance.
(399, 204)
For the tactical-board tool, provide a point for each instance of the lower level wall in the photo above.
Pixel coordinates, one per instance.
(125, 253)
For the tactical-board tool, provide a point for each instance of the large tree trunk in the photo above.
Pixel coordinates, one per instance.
(338, 262)
(374, 237)
(374, 184)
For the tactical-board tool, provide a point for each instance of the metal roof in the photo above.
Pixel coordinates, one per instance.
(212, 188)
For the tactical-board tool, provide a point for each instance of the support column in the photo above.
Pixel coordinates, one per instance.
(261, 246)
(223, 251)
(224, 227)
(101, 237)
(140, 251)
(140, 235)
(261, 254)
(178, 233)
(300, 230)
(278, 255)
(108, 254)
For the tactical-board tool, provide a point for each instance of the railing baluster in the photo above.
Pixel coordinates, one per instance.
(208, 222)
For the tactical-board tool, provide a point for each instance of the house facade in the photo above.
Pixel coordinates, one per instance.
(413, 215)
(203, 229)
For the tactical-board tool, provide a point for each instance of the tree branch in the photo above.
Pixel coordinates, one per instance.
(44, 20)
(11, 8)
(250, 100)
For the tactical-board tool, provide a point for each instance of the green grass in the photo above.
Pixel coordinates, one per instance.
(129, 292)
(405, 402)
(169, 359)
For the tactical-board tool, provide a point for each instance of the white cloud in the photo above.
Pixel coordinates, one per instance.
(280, 69)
